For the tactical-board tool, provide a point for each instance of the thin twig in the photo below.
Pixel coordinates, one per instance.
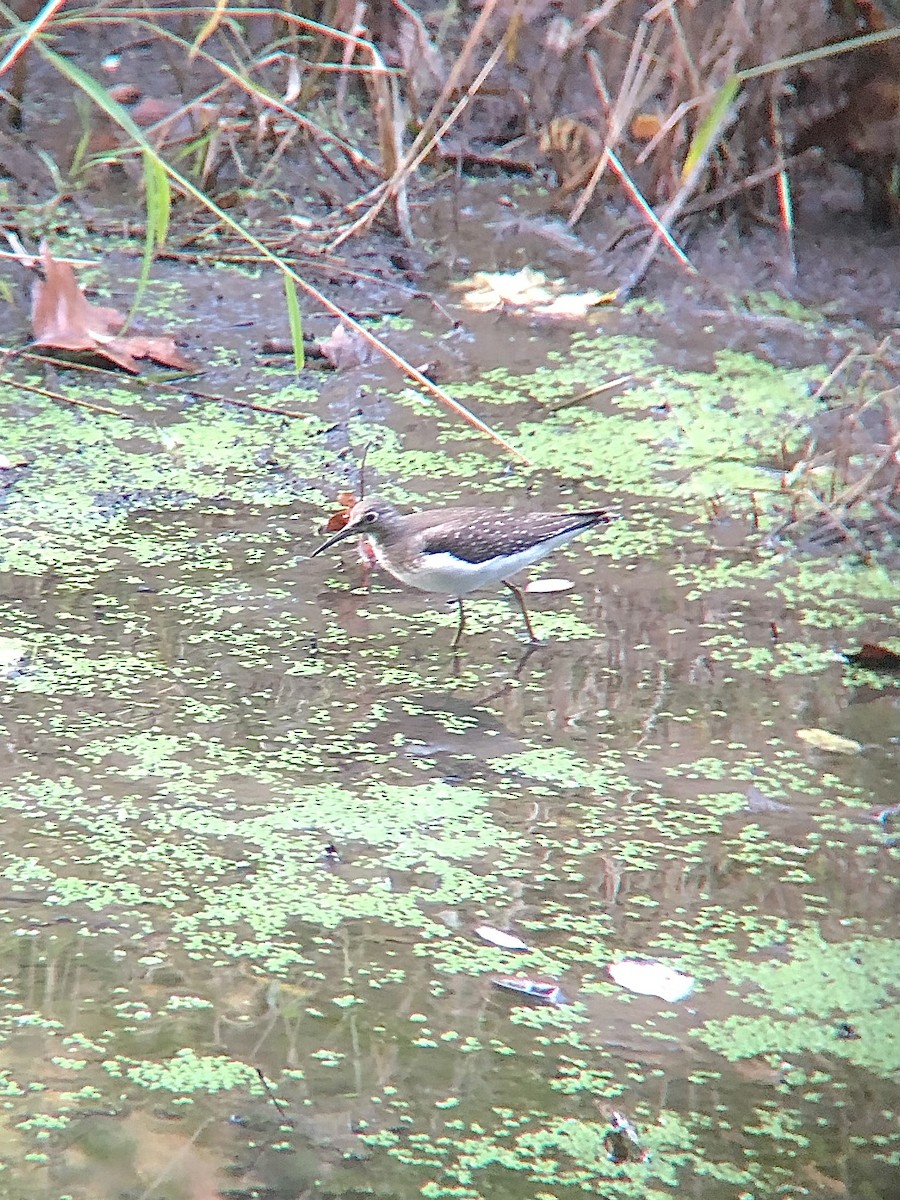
(782, 183)
(29, 33)
(136, 383)
(51, 395)
(177, 1161)
(638, 200)
(271, 1094)
(842, 366)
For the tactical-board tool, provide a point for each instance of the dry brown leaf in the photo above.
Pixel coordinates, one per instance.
(345, 348)
(63, 319)
(527, 288)
(339, 519)
(645, 126)
(173, 123)
(830, 743)
(875, 657)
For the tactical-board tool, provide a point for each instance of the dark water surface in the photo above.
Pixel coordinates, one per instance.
(198, 1000)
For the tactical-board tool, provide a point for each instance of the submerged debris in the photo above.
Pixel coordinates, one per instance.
(759, 802)
(532, 989)
(649, 977)
(883, 816)
(496, 937)
(623, 1144)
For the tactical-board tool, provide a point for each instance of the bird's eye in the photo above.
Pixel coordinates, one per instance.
(371, 516)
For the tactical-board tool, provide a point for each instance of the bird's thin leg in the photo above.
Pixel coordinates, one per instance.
(461, 626)
(520, 596)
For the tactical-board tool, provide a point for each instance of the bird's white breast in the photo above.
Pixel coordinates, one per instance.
(455, 577)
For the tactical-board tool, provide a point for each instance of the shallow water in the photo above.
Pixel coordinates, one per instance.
(199, 1000)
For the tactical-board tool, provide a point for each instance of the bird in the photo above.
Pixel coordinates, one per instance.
(456, 551)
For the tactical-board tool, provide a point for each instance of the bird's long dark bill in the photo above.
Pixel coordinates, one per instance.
(347, 531)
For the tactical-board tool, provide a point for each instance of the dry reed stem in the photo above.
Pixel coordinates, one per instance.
(28, 35)
(631, 189)
(782, 183)
(427, 136)
(47, 393)
(854, 493)
(667, 218)
(353, 27)
(388, 114)
(185, 186)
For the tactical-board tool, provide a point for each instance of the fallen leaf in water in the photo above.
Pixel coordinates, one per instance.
(575, 304)
(547, 586)
(345, 348)
(757, 1071)
(169, 121)
(823, 1183)
(9, 464)
(506, 941)
(339, 519)
(833, 743)
(63, 319)
(649, 977)
(875, 658)
(487, 291)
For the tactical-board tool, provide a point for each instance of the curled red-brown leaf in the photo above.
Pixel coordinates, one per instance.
(339, 519)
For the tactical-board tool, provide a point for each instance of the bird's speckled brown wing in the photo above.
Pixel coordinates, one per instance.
(476, 535)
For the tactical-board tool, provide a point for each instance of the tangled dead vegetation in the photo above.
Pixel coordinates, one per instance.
(371, 99)
(844, 486)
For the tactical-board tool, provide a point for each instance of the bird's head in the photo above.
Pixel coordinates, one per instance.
(372, 516)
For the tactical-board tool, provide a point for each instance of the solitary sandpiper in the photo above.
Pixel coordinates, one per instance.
(456, 551)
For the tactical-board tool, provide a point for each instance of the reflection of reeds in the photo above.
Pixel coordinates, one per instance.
(845, 488)
(611, 878)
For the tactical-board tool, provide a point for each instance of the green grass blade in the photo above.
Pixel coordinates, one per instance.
(711, 126)
(158, 201)
(295, 319)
